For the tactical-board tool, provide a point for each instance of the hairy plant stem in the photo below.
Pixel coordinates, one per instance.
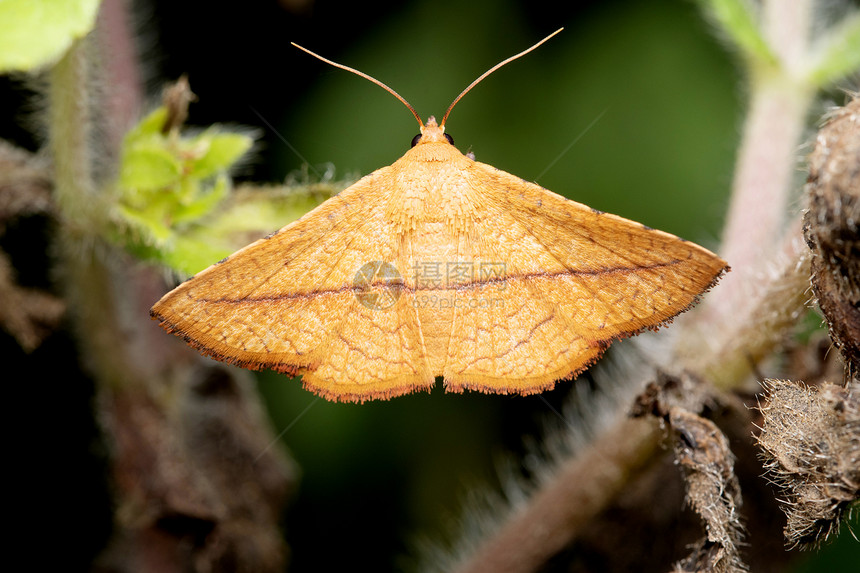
(556, 514)
(101, 289)
(122, 102)
(764, 174)
(165, 413)
(749, 312)
(82, 213)
(758, 327)
(760, 197)
(71, 135)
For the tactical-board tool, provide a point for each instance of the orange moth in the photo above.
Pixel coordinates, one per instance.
(438, 266)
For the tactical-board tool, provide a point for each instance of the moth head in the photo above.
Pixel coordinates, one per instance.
(432, 133)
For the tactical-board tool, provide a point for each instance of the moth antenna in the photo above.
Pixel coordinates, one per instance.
(367, 77)
(490, 71)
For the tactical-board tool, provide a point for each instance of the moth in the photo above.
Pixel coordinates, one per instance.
(438, 266)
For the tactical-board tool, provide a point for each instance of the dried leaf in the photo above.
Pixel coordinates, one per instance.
(702, 451)
(25, 184)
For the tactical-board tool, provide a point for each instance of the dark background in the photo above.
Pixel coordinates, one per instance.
(376, 477)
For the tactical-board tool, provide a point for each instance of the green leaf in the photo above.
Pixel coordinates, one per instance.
(838, 53)
(146, 226)
(254, 211)
(738, 21)
(170, 187)
(35, 33)
(191, 254)
(151, 125)
(204, 203)
(223, 150)
(148, 167)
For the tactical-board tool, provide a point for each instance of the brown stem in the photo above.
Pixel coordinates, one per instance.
(123, 99)
(193, 487)
(726, 356)
(559, 512)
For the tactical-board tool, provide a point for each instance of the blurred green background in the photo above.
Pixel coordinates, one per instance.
(663, 99)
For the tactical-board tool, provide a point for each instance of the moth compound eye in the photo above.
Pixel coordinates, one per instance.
(450, 139)
(415, 140)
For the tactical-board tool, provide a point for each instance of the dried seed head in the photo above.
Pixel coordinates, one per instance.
(811, 447)
(832, 228)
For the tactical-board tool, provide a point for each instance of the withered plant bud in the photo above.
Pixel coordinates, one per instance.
(832, 228)
(176, 99)
(811, 443)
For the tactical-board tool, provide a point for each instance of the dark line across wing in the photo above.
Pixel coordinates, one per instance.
(457, 287)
